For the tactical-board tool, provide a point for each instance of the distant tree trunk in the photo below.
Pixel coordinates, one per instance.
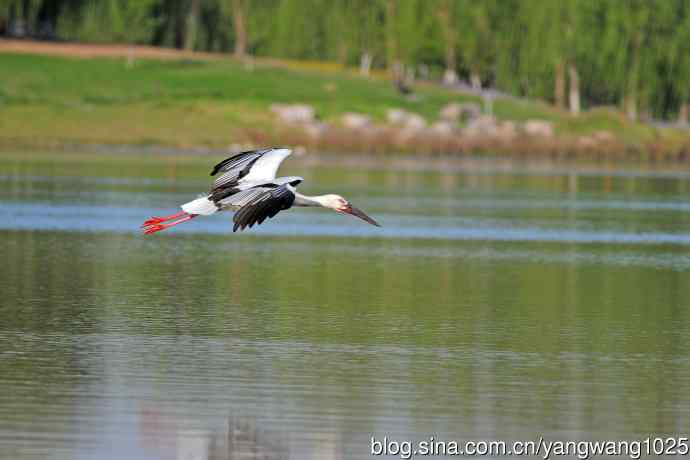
(365, 64)
(630, 100)
(574, 93)
(450, 76)
(559, 90)
(683, 114)
(191, 25)
(393, 60)
(630, 104)
(475, 80)
(409, 75)
(238, 15)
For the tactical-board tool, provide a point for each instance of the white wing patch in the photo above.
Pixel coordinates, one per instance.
(266, 167)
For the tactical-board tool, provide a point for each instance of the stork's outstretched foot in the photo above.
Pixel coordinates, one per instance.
(158, 220)
(154, 228)
(153, 221)
(155, 224)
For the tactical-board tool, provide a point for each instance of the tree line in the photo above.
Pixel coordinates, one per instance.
(633, 54)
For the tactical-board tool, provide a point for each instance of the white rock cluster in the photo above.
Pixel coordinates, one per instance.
(455, 121)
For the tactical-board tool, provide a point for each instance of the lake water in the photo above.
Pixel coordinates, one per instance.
(491, 305)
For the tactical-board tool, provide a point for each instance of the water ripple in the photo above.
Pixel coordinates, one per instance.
(43, 216)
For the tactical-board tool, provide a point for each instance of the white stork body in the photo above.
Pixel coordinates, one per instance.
(248, 185)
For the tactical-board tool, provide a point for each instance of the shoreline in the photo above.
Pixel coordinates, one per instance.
(489, 164)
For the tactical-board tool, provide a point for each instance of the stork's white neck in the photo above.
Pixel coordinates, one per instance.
(317, 201)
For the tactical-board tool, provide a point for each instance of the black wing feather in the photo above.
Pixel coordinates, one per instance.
(235, 168)
(264, 206)
(220, 193)
(234, 161)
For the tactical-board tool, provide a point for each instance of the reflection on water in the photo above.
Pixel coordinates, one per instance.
(487, 307)
(163, 436)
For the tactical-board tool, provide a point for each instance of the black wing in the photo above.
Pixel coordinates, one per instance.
(268, 204)
(235, 168)
(238, 199)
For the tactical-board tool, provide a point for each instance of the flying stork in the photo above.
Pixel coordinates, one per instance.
(248, 185)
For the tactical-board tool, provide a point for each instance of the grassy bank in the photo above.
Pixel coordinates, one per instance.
(52, 101)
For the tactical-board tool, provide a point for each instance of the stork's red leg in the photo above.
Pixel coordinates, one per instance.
(153, 228)
(158, 220)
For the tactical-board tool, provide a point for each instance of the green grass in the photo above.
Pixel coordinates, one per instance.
(56, 100)
(78, 83)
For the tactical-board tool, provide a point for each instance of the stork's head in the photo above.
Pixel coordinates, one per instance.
(340, 204)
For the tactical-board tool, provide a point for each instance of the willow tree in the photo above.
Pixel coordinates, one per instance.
(679, 61)
(392, 35)
(340, 39)
(20, 13)
(668, 50)
(120, 21)
(555, 42)
(626, 50)
(192, 25)
(574, 19)
(477, 36)
(416, 26)
(295, 34)
(446, 11)
(239, 17)
(368, 19)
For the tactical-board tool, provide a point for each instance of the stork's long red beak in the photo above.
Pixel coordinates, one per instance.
(349, 209)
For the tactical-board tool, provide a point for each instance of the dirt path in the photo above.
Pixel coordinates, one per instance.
(82, 50)
(89, 50)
